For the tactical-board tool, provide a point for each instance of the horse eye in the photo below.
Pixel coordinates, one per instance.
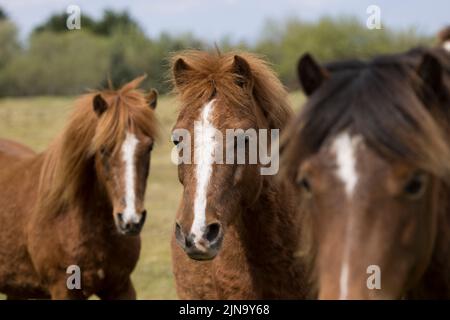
(175, 140)
(415, 186)
(304, 183)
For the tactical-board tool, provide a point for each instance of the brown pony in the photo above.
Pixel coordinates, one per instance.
(80, 202)
(236, 230)
(370, 155)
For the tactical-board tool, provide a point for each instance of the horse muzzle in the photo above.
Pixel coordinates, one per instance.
(205, 248)
(130, 227)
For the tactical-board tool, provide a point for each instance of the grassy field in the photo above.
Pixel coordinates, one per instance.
(35, 121)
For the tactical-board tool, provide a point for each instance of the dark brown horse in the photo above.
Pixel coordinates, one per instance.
(236, 229)
(370, 155)
(80, 202)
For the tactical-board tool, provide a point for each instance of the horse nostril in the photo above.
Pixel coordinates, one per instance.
(186, 242)
(143, 217)
(129, 226)
(212, 231)
(189, 242)
(125, 226)
(179, 235)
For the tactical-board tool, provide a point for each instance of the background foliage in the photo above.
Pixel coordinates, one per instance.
(56, 61)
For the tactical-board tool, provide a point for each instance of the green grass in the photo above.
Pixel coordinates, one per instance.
(36, 121)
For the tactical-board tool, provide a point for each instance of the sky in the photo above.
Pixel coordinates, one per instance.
(238, 19)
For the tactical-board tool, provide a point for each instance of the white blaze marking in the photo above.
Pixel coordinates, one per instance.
(204, 147)
(343, 282)
(344, 147)
(446, 45)
(128, 152)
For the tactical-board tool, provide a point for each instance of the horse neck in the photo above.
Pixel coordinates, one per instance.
(271, 220)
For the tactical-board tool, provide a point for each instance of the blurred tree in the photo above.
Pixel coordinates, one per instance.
(3, 15)
(133, 54)
(106, 26)
(329, 39)
(115, 47)
(57, 64)
(128, 52)
(9, 43)
(111, 21)
(57, 23)
(227, 44)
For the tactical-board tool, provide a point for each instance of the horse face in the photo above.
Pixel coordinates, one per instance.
(373, 220)
(123, 170)
(214, 192)
(124, 174)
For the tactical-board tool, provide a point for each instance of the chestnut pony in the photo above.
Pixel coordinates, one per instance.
(236, 230)
(370, 155)
(80, 202)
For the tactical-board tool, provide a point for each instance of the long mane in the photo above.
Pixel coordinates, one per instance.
(212, 72)
(68, 167)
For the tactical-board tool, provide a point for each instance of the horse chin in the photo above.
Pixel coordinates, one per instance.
(204, 255)
(131, 233)
(201, 256)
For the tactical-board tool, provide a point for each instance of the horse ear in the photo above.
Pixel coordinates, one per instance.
(179, 71)
(430, 71)
(242, 69)
(310, 74)
(152, 98)
(444, 38)
(100, 104)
